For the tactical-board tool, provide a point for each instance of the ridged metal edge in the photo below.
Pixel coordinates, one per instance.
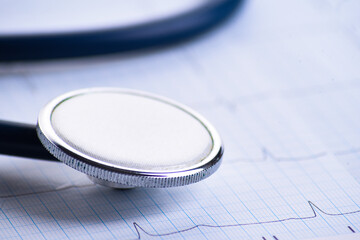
(129, 179)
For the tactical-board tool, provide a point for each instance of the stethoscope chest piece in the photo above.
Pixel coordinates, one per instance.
(123, 138)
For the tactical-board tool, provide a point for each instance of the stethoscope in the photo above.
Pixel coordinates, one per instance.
(118, 137)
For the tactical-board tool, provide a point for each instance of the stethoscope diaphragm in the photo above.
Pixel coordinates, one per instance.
(124, 138)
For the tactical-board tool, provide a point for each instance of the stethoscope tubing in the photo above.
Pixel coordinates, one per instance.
(20, 139)
(114, 40)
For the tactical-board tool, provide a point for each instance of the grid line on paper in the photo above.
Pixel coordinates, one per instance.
(227, 211)
(289, 205)
(164, 213)
(26, 214)
(291, 183)
(141, 213)
(343, 190)
(312, 206)
(43, 204)
(304, 144)
(93, 210)
(267, 206)
(112, 205)
(206, 212)
(256, 219)
(185, 213)
(334, 129)
(284, 148)
(299, 165)
(66, 204)
(269, 155)
(7, 218)
(214, 191)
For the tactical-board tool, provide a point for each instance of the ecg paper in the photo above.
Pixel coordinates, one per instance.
(282, 89)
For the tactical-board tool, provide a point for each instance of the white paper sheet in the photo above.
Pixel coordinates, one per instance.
(280, 81)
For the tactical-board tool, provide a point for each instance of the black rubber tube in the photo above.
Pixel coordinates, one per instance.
(21, 140)
(114, 40)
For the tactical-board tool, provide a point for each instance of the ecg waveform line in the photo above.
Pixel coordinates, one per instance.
(266, 154)
(312, 206)
(232, 104)
(46, 191)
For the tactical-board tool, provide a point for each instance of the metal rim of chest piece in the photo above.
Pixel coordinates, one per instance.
(112, 175)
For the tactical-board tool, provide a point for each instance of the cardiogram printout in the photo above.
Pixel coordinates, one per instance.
(282, 89)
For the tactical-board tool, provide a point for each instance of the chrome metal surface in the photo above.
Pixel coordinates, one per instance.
(119, 176)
